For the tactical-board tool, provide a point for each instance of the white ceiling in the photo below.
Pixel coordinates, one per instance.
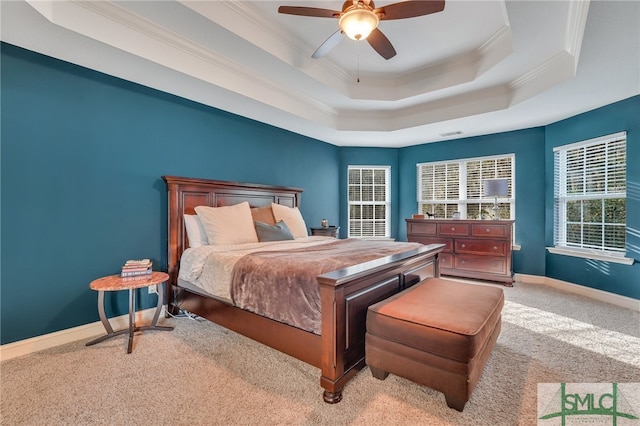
(478, 67)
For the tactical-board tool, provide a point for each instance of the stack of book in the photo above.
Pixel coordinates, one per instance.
(136, 268)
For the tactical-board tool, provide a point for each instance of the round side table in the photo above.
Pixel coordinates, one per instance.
(116, 283)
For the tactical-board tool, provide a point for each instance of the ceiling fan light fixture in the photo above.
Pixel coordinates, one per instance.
(358, 23)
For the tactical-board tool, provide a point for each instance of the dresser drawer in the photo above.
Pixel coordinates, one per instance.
(495, 231)
(445, 260)
(492, 265)
(454, 229)
(422, 228)
(448, 242)
(481, 247)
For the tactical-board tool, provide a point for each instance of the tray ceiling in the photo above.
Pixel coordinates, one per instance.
(478, 67)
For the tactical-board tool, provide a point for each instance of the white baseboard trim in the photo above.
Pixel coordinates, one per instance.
(46, 341)
(603, 296)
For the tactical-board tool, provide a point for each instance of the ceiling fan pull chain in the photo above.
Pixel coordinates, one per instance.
(357, 63)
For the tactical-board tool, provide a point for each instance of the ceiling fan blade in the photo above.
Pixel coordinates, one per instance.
(381, 44)
(309, 11)
(333, 40)
(409, 9)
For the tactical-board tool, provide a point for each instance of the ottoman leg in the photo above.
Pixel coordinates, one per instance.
(455, 403)
(378, 373)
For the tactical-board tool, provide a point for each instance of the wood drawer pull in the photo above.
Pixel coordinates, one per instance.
(495, 247)
(488, 230)
(463, 245)
(453, 228)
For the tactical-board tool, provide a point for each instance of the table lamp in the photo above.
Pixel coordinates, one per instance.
(496, 188)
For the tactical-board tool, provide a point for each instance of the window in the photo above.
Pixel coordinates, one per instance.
(369, 201)
(447, 187)
(590, 195)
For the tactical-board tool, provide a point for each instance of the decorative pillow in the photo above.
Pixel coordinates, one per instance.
(278, 232)
(292, 217)
(263, 214)
(195, 231)
(228, 224)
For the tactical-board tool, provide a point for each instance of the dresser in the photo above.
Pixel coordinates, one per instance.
(479, 249)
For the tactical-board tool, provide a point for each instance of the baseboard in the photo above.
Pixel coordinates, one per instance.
(46, 341)
(603, 296)
(35, 344)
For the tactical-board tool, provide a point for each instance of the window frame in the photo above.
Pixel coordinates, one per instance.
(463, 199)
(562, 199)
(386, 203)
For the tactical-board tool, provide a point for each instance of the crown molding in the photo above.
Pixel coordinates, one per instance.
(116, 26)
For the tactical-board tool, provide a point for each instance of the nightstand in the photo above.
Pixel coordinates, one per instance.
(116, 283)
(329, 231)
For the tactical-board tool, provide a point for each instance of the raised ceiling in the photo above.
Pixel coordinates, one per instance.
(478, 67)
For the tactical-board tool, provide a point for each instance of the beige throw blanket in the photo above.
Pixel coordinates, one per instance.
(282, 285)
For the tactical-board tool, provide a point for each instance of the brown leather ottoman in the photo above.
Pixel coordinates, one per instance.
(438, 333)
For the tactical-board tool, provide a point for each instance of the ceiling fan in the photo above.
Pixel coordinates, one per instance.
(359, 20)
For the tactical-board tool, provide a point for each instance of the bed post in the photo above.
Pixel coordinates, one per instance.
(173, 227)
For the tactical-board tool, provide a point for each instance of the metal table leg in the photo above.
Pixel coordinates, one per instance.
(154, 322)
(132, 324)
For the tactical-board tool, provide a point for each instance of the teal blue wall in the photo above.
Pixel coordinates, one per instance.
(528, 147)
(612, 277)
(82, 159)
(82, 155)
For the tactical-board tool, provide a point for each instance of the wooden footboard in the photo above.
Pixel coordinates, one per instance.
(346, 294)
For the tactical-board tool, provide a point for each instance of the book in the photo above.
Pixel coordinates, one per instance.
(135, 273)
(135, 277)
(137, 263)
(135, 268)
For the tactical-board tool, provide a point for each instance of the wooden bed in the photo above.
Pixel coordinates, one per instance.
(345, 294)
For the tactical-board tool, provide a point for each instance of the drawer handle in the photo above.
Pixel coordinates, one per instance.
(463, 262)
(453, 228)
(488, 230)
(495, 247)
(464, 245)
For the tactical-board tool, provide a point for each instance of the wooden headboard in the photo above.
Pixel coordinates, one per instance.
(185, 194)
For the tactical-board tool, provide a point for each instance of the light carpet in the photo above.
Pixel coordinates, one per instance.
(202, 374)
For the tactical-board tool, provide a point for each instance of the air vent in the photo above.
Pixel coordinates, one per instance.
(454, 133)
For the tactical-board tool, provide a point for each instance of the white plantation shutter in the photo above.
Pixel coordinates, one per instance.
(439, 182)
(369, 201)
(488, 168)
(439, 188)
(590, 194)
(457, 186)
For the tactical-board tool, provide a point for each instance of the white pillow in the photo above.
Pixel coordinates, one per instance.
(292, 217)
(228, 224)
(195, 231)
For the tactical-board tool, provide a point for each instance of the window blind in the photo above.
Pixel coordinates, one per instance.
(590, 194)
(369, 200)
(445, 188)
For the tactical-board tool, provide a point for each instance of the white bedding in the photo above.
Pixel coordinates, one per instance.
(210, 267)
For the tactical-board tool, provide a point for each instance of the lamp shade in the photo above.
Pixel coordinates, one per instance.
(358, 23)
(496, 187)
